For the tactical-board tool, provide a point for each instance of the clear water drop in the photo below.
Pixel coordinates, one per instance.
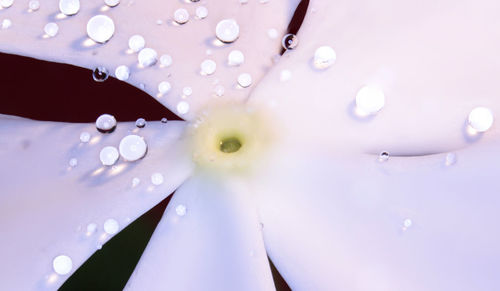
(62, 265)
(164, 87)
(6, 3)
(245, 80)
(34, 5)
(157, 179)
(105, 123)
(135, 181)
(51, 29)
(290, 41)
(481, 119)
(324, 57)
(181, 16)
(187, 91)
(182, 107)
(165, 60)
(164, 120)
(235, 58)
(112, 3)
(73, 162)
(201, 12)
(369, 100)
(383, 157)
(109, 155)
(91, 229)
(6, 23)
(69, 7)
(100, 74)
(147, 57)
(180, 210)
(100, 28)
(84, 137)
(227, 30)
(140, 122)
(122, 73)
(111, 226)
(208, 67)
(451, 159)
(136, 42)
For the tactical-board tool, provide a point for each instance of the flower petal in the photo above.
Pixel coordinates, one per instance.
(216, 244)
(50, 208)
(345, 223)
(432, 66)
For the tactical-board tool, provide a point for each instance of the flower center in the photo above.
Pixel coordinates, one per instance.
(230, 145)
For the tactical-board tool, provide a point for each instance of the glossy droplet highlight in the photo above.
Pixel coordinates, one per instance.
(140, 122)
(109, 155)
(100, 74)
(100, 28)
(105, 123)
(290, 41)
(111, 226)
(157, 179)
(62, 265)
(235, 58)
(147, 57)
(6, 3)
(69, 7)
(6, 23)
(165, 60)
(244, 80)
(370, 100)
(84, 137)
(122, 73)
(164, 87)
(451, 159)
(34, 5)
(51, 29)
(324, 57)
(182, 107)
(208, 67)
(180, 210)
(481, 119)
(181, 16)
(383, 157)
(164, 120)
(112, 3)
(201, 12)
(227, 30)
(136, 42)
(73, 162)
(187, 91)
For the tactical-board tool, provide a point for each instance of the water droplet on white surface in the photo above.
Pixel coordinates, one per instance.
(109, 155)
(133, 147)
(227, 30)
(324, 57)
(122, 73)
(6, 23)
(91, 228)
(180, 210)
(51, 29)
(164, 120)
(383, 157)
(164, 87)
(106, 123)
(100, 74)
(157, 179)
(136, 42)
(100, 28)
(285, 75)
(111, 226)
(481, 119)
(290, 41)
(201, 12)
(272, 33)
(187, 91)
(135, 182)
(244, 80)
(182, 107)
(208, 67)
(62, 264)
(85, 137)
(73, 162)
(451, 159)
(407, 223)
(112, 3)
(369, 100)
(34, 5)
(235, 58)
(147, 57)
(165, 60)
(181, 16)
(6, 3)
(69, 7)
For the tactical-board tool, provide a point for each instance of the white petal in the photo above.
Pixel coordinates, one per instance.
(208, 239)
(50, 208)
(336, 222)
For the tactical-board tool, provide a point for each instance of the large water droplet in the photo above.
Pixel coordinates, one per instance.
(290, 41)
(324, 57)
(369, 100)
(100, 74)
(136, 42)
(227, 30)
(62, 264)
(122, 73)
(481, 119)
(51, 29)
(147, 57)
(383, 157)
(244, 80)
(100, 28)
(181, 16)
(208, 67)
(109, 155)
(111, 226)
(106, 123)
(235, 58)
(69, 7)
(201, 12)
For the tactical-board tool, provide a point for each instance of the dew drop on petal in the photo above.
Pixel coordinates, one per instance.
(100, 74)
(244, 80)
(181, 16)
(100, 28)
(383, 157)
(164, 87)
(34, 5)
(481, 119)
(370, 100)
(201, 12)
(227, 30)
(165, 60)
(112, 3)
(105, 123)
(208, 67)
(164, 120)
(73, 162)
(182, 107)
(157, 179)
(451, 159)
(324, 57)
(91, 228)
(109, 155)
(69, 7)
(290, 41)
(180, 210)
(122, 73)
(147, 57)
(407, 223)
(136, 42)
(51, 29)
(62, 264)
(111, 226)
(135, 182)
(85, 137)
(6, 3)
(6, 23)
(187, 91)
(235, 58)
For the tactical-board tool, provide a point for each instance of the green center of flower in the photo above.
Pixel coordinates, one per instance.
(230, 145)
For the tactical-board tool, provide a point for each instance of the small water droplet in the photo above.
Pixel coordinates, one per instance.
(164, 120)
(135, 182)
(6, 3)
(109, 155)
(140, 122)
(69, 7)
(290, 41)
(51, 29)
(111, 226)
(62, 265)
(165, 60)
(201, 12)
(100, 28)
(105, 123)
(100, 74)
(133, 147)
(451, 159)
(147, 57)
(112, 3)
(481, 119)
(227, 30)
(164, 87)
(208, 67)
(136, 42)
(219, 90)
(181, 16)
(182, 107)
(6, 23)
(235, 58)
(324, 57)
(122, 73)
(187, 91)
(180, 210)
(383, 157)
(157, 179)
(244, 80)
(91, 229)
(73, 162)
(85, 137)
(34, 5)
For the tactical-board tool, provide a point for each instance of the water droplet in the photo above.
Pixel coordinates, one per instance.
(159, 21)
(243, 2)
(51, 29)
(272, 33)
(109, 155)
(112, 3)
(122, 73)
(290, 41)
(164, 87)
(451, 159)
(324, 57)
(181, 16)
(187, 91)
(73, 162)
(6, 23)
(219, 90)
(285, 75)
(407, 223)
(201, 12)
(140, 122)
(147, 57)
(369, 100)
(180, 210)
(227, 30)
(182, 107)
(383, 157)
(105, 123)
(133, 147)
(98, 246)
(62, 264)
(69, 7)
(165, 60)
(100, 28)
(164, 120)
(208, 67)
(100, 74)
(6, 3)
(111, 226)
(244, 80)
(91, 228)
(85, 137)
(157, 179)
(136, 42)
(34, 5)
(481, 119)
(235, 58)
(135, 182)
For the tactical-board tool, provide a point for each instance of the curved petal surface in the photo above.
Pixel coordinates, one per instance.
(50, 208)
(209, 239)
